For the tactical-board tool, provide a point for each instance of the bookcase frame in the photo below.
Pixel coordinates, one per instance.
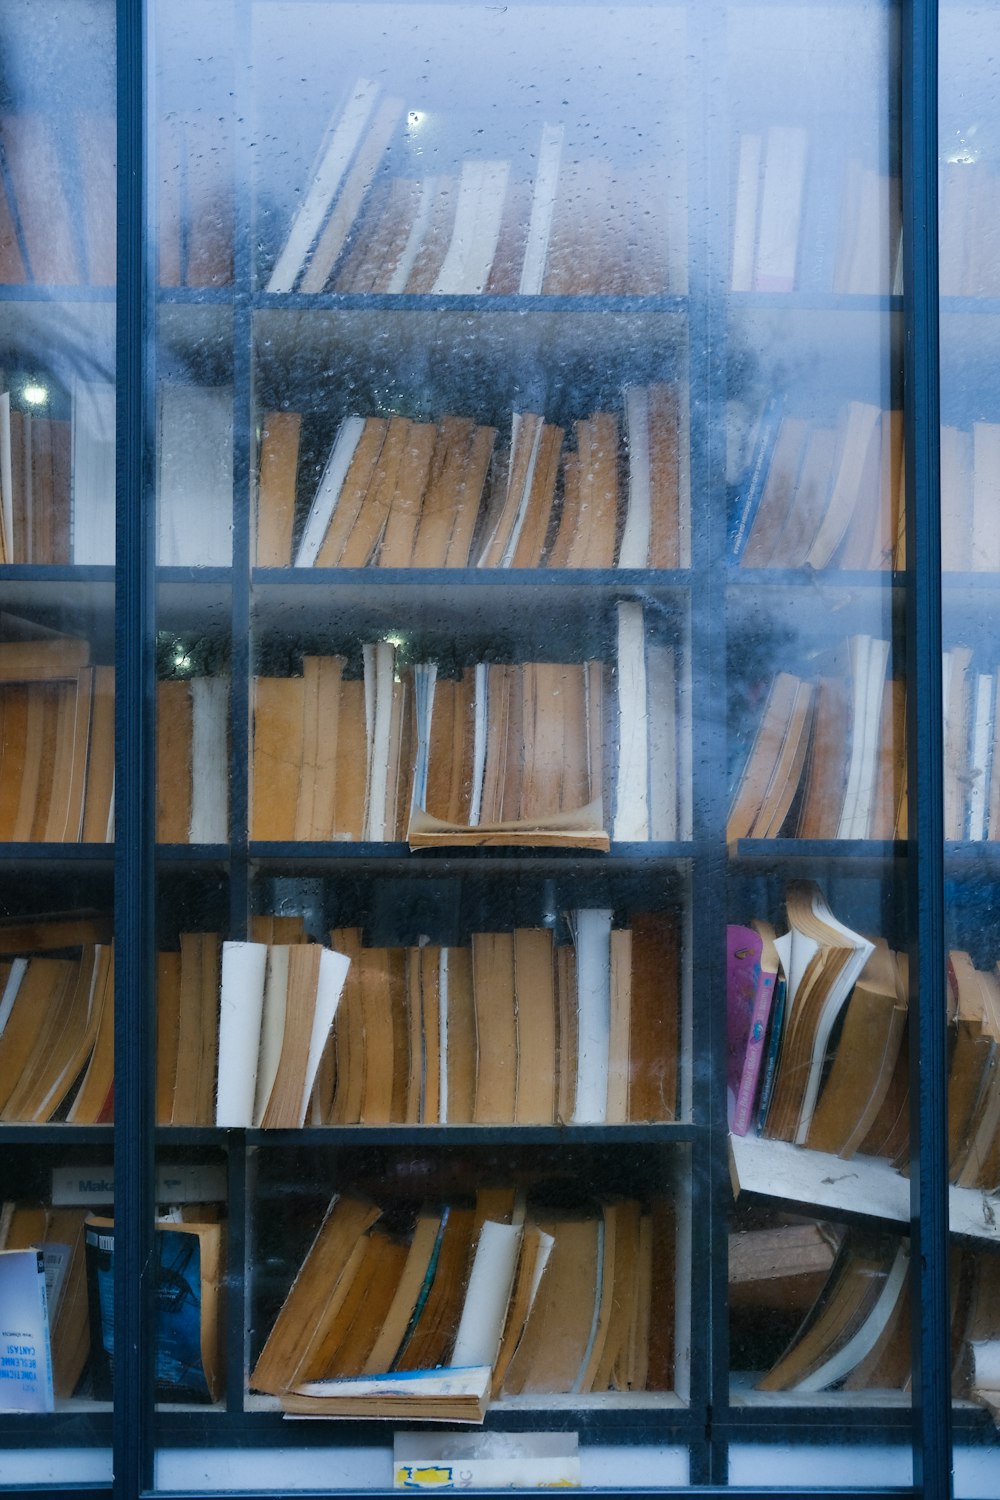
(710, 1424)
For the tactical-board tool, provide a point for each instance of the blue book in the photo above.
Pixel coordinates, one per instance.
(749, 495)
(773, 1048)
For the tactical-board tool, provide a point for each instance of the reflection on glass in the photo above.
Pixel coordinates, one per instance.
(57, 513)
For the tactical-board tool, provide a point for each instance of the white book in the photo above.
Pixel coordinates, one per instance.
(661, 680)
(851, 819)
(982, 744)
(348, 205)
(324, 505)
(210, 760)
(336, 150)
(195, 476)
(986, 497)
(92, 441)
(632, 791)
(536, 427)
(383, 666)
(424, 682)
(6, 482)
(400, 277)
(479, 723)
(25, 1354)
(685, 747)
(780, 209)
(859, 426)
(840, 1364)
(478, 214)
(333, 969)
(634, 549)
(543, 201)
(487, 1294)
(745, 213)
(592, 938)
(241, 1006)
(986, 1364)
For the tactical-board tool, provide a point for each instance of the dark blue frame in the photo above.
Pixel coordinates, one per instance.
(930, 1422)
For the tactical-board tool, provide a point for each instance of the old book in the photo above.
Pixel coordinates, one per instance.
(99, 801)
(188, 1262)
(349, 472)
(397, 543)
(197, 1038)
(985, 532)
(476, 232)
(439, 1395)
(458, 1037)
(12, 271)
(279, 459)
(557, 1334)
(36, 171)
(790, 546)
(778, 498)
(315, 805)
(859, 429)
(315, 1295)
(780, 209)
(454, 494)
(208, 199)
(758, 769)
(619, 1026)
(869, 662)
(864, 1060)
(825, 771)
(497, 1050)
(25, 1348)
(654, 1024)
(788, 767)
(822, 959)
(430, 1341)
(195, 476)
(362, 543)
(356, 185)
(592, 941)
(593, 545)
(329, 169)
(527, 429)
(535, 1023)
(956, 705)
(168, 1006)
(543, 201)
(93, 1103)
(278, 729)
(92, 442)
(748, 182)
(174, 744)
(96, 152)
(61, 1043)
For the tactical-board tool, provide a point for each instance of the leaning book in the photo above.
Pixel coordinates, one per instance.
(188, 1259)
(25, 1356)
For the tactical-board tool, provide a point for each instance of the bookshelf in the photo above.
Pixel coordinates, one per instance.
(644, 278)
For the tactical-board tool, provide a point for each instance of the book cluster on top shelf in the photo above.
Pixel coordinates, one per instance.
(581, 226)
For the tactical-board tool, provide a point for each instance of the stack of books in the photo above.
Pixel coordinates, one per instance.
(434, 1313)
(396, 493)
(580, 227)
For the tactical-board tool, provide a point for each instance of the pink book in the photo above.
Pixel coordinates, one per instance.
(753, 1056)
(743, 951)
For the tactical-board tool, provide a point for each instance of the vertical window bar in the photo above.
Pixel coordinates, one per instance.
(928, 1060)
(134, 809)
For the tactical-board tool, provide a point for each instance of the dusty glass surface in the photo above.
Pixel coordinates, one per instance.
(424, 733)
(57, 497)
